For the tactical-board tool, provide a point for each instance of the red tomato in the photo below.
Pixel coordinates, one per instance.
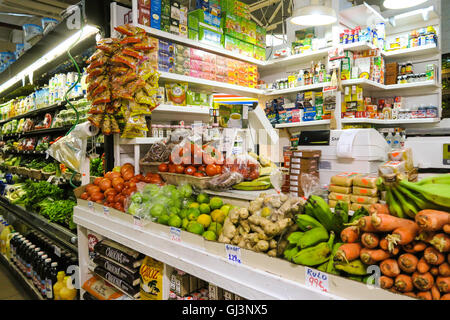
(97, 196)
(97, 180)
(172, 168)
(140, 177)
(134, 180)
(201, 168)
(218, 169)
(190, 170)
(199, 174)
(114, 175)
(179, 168)
(119, 187)
(132, 184)
(110, 191)
(84, 196)
(108, 175)
(127, 175)
(116, 181)
(110, 198)
(163, 167)
(211, 170)
(105, 184)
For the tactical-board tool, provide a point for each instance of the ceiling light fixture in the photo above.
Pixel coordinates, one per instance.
(314, 15)
(402, 4)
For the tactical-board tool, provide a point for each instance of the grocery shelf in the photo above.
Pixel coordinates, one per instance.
(358, 46)
(385, 122)
(40, 153)
(58, 233)
(199, 45)
(200, 110)
(415, 88)
(46, 109)
(149, 140)
(240, 194)
(258, 276)
(297, 89)
(36, 132)
(412, 52)
(215, 86)
(302, 124)
(27, 283)
(294, 59)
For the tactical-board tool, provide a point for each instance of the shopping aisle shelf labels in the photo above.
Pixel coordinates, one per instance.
(106, 211)
(233, 253)
(138, 223)
(91, 205)
(175, 234)
(316, 279)
(57, 251)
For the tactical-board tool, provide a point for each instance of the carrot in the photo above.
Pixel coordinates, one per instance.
(379, 209)
(434, 271)
(441, 241)
(387, 223)
(370, 240)
(435, 294)
(348, 252)
(410, 294)
(423, 281)
(386, 282)
(384, 244)
(402, 235)
(365, 224)
(403, 283)
(371, 256)
(445, 297)
(425, 236)
(448, 257)
(408, 262)
(443, 284)
(390, 268)
(350, 234)
(423, 266)
(415, 246)
(432, 220)
(444, 269)
(424, 295)
(433, 257)
(446, 228)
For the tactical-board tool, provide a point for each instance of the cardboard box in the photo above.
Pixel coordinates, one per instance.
(305, 153)
(155, 14)
(214, 292)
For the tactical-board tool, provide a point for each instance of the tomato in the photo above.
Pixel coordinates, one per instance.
(219, 169)
(108, 175)
(84, 196)
(114, 175)
(97, 196)
(211, 170)
(93, 189)
(110, 191)
(119, 198)
(172, 168)
(99, 201)
(179, 168)
(127, 175)
(127, 192)
(105, 184)
(90, 186)
(134, 180)
(163, 167)
(119, 187)
(118, 206)
(199, 174)
(132, 184)
(126, 167)
(201, 168)
(140, 177)
(110, 198)
(97, 180)
(116, 181)
(190, 170)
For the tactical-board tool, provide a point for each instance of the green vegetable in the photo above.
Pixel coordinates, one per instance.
(306, 222)
(295, 237)
(331, 268)
(313, 256)
(355, 267)
(312, 237)
(96, 167)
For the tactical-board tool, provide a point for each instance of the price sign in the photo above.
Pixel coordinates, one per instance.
(316, 279)
(138, 223)
(233, 253)
(91, 205)
(175, 234)
(106, 211)
(58, 251)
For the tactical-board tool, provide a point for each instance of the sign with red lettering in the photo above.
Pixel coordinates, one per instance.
(316, 279)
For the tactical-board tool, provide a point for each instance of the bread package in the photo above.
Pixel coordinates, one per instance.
(360, 191)
(344, 179)
(339, 189)
(339, 196)
(392, 167)
(367, 180)
(363, 199)
(404, 154)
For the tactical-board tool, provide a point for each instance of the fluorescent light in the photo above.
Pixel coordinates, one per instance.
(51, 55)
(402, 4)
(314, 16)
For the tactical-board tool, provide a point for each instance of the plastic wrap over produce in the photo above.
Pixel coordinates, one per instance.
(71, 149)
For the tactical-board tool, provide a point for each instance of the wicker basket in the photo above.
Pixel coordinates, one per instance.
(178, 179)
(36, 174)
(22, 171)
(13, 169)
(47, 175)
(151, 167)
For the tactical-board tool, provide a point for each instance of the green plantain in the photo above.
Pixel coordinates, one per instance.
(439, 179)
(436, 193)
(408, 207)
(418, 199)
(394, 207)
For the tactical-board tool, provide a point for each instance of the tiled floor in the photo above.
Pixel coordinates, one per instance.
(10, 288)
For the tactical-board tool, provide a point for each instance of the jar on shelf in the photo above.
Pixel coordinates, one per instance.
(160, 131)
(155, 132)
(409, 68)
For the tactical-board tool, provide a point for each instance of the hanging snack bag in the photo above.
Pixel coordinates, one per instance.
(151, 279)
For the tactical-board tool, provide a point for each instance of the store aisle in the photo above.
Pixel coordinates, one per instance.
(10, 288)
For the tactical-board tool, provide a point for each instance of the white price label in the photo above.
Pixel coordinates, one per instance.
(58, 251)
(91, 205)
(175, 234)
(233, 253)
(106, 211)
(138, 222)
(316, 279)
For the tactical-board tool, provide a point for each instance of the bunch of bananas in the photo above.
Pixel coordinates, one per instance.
(405, 199)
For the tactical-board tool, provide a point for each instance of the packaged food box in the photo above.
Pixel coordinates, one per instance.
(131, 276)
(155, 14)
(116, 252)
(131, 290)
(363, 199)
(144, 16)
(193, 34)
(360, 191)
(404, 154)
(344, 179)
(392, 167)
(304, 153)
(227, 295)
(214, 292)
(339, 196)
(340, 189)
(203, 17)
(102, 290)
(152, 274)
(333, 203)
(207, 35)
(306, 162)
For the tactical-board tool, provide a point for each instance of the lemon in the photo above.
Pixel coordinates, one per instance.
(209, 235)
(218, 216)
(204, 208)
(215, 203)
(204, 219)
(226, 209)
(194, 205)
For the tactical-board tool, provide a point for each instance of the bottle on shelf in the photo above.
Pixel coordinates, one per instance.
(45, 270)
(7, 229)
(59, 283)
(396, 140)
(66, 292)
(28, 260)
(389, 138)
(51, 278)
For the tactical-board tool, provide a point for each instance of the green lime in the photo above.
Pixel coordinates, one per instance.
(215, 203)
(157, 210)
(195, 227)
(204, 208)
(209, 235)
(184, 213)
(215, 227)
(225, 209)
(193, 213)
(174, 210)
(184, 223)
(164, 219)
(194, 205)
(202, 198)
(175, 221)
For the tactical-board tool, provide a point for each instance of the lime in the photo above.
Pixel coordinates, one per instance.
(184, 213)
(157, 210)
(204, 208)
(184, 223)
(218, 216)
(215, 227)
(225, 209)
(194, 205)
(209, 235)
(193, 213)
(215, 203)
(202, 198)
(204, 219)
(164, 219)
(175, 221)
(195, 227)
(174, 210)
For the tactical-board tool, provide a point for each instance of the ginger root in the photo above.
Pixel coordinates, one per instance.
(262, 246)
(243, 213)
(245, 225)
(255, 205)
(224, 239)
(272, 252)
(234, 215)
(273, 244)
(229, 230)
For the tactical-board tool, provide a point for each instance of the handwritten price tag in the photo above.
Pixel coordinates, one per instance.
(175, 234)
(91, 205)
(106, 211)
(233, 253)
(138, 223)
(316, 279)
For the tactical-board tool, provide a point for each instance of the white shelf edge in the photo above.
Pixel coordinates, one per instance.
(302, 124)
(380, 121)
(433, 48)
(210, 83)
(133, 141)
(182, 109)
(297, 57)
(298, 89)
(197, 44)
(366, 82)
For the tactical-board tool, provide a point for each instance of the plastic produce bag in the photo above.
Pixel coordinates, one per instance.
(310, 185)
(245, 165)
(225, 181)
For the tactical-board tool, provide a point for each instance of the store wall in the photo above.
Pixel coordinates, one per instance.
(445, 26)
